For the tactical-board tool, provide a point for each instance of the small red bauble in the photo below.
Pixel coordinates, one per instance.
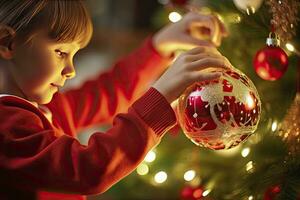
(192, 193)
(221, 113)
(271, 62)
(272, 192)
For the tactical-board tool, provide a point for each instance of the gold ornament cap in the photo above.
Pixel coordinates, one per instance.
(273, 40)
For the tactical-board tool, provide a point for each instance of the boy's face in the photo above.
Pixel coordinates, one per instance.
(41, 66)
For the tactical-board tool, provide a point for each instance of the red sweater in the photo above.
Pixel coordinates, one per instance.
(42, 154)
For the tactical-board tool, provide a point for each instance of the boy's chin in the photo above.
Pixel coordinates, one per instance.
(42, 99)
(46, 100)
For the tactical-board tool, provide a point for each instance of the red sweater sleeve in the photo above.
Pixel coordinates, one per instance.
(98, 101)
(32, 156)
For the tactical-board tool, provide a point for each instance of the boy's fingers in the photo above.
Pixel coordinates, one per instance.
(195, 50)
(207, 20)
(205, 76)
(206, 30)
(218, 40)
(195, 57)
(223, 28)
(202, 49)
(199, 22)
(206, 27)
(209, 63)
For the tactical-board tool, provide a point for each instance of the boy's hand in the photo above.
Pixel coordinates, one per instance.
(192, 30)
(187, 69)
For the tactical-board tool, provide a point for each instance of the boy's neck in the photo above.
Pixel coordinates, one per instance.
(8, 84)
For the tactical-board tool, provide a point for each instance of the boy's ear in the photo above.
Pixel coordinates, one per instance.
(7, 35)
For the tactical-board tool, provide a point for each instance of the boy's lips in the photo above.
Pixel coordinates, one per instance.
(56, 85)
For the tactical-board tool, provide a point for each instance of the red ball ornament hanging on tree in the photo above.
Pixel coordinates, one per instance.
(221, 113)
(271, 62)
(272, 192)
(192, 193)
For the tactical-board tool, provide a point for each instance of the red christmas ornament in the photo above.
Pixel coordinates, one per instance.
(221, 113)
(271, 193)
(192, 193)
(271, 62)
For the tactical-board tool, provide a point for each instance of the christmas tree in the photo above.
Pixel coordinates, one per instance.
(265, 166)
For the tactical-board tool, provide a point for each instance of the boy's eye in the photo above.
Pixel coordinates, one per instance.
(61, 53)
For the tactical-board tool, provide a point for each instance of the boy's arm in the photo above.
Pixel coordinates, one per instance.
(31, 156)
(98, 101)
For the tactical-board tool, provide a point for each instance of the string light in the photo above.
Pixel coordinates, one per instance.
(174, 17)
(189, 175)
(238, 19)
(160, 177)
(290, 47)
(150, 157)
(205, 193)
(250, 198)
(245, 152)
(142, 169)
(249, 166)
(274, 126)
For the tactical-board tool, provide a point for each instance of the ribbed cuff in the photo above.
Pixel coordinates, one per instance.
(156, 111)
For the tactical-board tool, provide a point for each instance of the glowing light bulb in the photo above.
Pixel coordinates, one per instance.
(205, 193)
(160, 177)
(290, 47)
(174, 17)
(142, 169)
(245, 152)
(274, 126)
(150, 157)
(249, 166)
(189, 175)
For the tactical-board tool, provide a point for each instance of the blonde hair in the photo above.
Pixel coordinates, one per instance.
(65, 20)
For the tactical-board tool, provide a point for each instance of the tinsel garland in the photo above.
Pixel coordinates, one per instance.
(284, 17)
(290, 129)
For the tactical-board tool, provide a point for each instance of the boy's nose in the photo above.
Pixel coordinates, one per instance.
(69, 76)
(69, 72)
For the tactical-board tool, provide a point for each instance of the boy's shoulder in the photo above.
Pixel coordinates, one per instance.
(8, 101)
(22, 123)
(16, 110)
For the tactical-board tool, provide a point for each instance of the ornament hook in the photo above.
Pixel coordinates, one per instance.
(273, 39)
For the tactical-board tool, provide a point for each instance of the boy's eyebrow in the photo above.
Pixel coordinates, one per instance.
(68, 47)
